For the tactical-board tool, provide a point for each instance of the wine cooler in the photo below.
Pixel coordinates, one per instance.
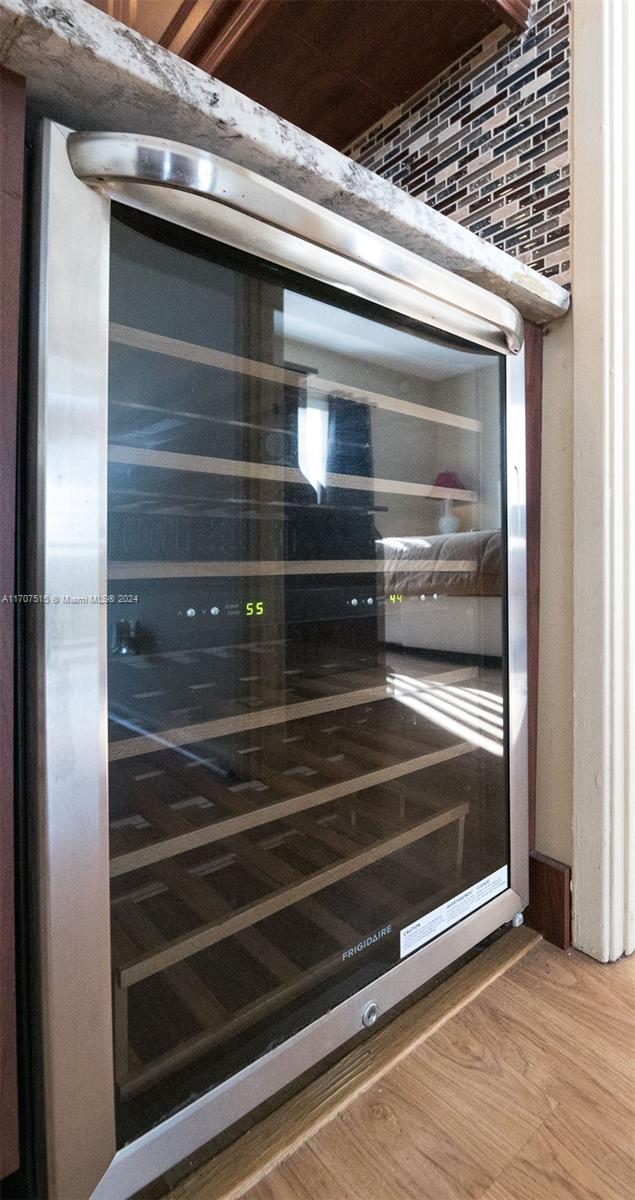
(278, 723)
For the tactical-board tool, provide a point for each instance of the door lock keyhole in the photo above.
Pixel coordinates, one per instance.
(370, 1014)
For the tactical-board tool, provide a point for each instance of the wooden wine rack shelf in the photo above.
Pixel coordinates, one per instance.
(217, 1025)
(260, 718)
(141, 339)
(249, 851)
(193, 839)
(172, 460)
(351, 837)
(208, 862)
(329, 566)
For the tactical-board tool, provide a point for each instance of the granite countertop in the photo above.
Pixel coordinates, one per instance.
(90, 72)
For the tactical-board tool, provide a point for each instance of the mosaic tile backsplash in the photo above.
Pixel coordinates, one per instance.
(486, 143)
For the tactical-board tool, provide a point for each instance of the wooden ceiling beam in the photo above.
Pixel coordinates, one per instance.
(188, 27)
(119, 10)
(169, 36)
(206, 31)
(236, 27)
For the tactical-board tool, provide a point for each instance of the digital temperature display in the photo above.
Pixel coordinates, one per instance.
(254, 608)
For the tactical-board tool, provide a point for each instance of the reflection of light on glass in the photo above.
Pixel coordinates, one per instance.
(434, 694)
(486, 699)
(491, 696)
(436, 704)
(313, 439)
(462, 701)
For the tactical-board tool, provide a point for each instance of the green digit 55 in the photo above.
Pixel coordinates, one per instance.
(254, 608)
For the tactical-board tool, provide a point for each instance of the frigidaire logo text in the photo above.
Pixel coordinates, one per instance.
(367, 941)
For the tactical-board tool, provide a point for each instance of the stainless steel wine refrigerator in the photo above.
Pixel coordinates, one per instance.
(279, 656)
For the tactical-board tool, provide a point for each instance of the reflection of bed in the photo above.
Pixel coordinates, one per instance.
(452, 602)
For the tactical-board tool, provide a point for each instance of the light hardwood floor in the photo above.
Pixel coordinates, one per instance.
(527, 1094)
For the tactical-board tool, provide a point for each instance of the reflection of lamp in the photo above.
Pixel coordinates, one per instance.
(448, 523)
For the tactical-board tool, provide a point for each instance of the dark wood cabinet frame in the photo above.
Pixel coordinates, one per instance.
(549, 910)
(12, 115)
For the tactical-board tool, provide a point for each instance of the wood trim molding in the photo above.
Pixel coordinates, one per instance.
(514, 13)
(234, 30)
(192, 23)
(170, 33)
(533, 434)
(205, 33)
(120, 10)
(549, 910)
(12, 114)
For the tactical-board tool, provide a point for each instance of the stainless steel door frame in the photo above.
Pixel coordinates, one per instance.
(69, 639)
(68, 671)
(212, 196)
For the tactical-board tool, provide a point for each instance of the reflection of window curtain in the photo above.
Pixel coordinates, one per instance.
(334, 436)
(351, 453)
(313, 441)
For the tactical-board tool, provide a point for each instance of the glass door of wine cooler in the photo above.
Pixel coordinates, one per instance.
(300, 508)
(306, 652)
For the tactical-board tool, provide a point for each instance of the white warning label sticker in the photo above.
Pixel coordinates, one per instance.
(435, 922)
